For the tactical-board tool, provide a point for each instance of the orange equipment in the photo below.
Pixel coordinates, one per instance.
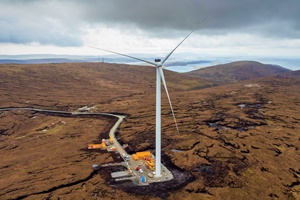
(150, 163)
(111, 140)
(94, 146)
(135, 157)
(141, 155)
(103, 145)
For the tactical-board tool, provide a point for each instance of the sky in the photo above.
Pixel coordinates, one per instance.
(269, 28)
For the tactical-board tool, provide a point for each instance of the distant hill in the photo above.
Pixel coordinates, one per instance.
(92, 79)
(292, 74)
(37, 61)
(237, 71)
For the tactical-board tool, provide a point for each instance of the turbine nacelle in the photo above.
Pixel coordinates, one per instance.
(158, 63)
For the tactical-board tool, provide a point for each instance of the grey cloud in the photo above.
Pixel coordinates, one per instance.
(43, 33)
(60, 22)
(223, 16)
(38, 21)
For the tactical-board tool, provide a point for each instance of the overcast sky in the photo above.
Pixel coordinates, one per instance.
(232, 27)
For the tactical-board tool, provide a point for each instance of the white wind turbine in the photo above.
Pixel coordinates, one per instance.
(159, 77)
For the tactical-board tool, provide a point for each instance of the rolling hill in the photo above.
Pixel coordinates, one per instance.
(237, 141)
(237, 71)
(81, 83)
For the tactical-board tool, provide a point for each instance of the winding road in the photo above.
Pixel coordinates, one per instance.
(131, 163)
(85, 114)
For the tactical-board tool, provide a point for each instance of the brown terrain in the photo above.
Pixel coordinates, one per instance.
(237, 71)
(235, 141)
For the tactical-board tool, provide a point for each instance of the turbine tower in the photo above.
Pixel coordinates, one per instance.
(159, 78)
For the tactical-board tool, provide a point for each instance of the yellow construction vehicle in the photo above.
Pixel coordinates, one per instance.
(146, 156)
(111, 140)
(150, 164)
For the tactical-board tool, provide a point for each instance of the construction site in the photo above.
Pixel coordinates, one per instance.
(138, 168)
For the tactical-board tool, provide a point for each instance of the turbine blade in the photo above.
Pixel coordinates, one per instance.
(151, 63)
(166, 58)
(165, 85)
